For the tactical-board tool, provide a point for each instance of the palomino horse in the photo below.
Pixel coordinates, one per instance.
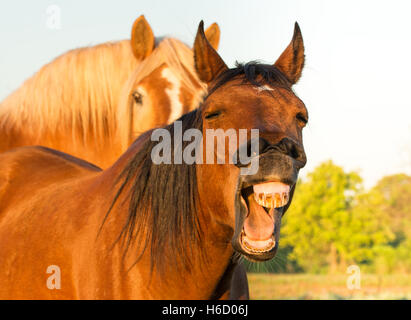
(93, 102)
(147, 230)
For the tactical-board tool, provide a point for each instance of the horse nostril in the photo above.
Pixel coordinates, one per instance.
(249, 150)
(285, 146)
(263, 145)
(294, 150)
(294, 153)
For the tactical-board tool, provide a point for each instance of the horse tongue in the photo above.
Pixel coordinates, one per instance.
(258, 225)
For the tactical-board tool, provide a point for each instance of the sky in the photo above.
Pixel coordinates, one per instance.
(355, 83)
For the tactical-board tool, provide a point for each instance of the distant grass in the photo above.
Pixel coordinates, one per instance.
(308, 286)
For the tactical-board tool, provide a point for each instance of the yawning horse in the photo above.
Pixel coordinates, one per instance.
(93, 102)
(147, 230)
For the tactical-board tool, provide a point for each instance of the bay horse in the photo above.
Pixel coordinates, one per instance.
(93, 102)
(142, 230)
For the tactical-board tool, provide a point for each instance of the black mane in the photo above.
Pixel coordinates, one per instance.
(162, 202)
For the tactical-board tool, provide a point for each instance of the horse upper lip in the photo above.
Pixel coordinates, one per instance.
(269, 173)
(250, 183)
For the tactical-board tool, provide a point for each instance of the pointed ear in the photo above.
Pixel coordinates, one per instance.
(291, 61)
(208, 63)
(142, 38)
(213, 35)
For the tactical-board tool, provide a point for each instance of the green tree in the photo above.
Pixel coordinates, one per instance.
(322, 226)
(389, 199)
(395, 192)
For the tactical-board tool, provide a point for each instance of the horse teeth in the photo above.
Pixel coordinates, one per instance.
(245, 242)
(285, 198)
(271, 200)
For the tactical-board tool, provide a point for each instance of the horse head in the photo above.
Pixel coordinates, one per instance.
(164, 85)
(252, 96)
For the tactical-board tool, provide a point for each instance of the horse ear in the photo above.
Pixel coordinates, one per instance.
(213, 35)
(291, 61)
(142, 38)
(208, 62)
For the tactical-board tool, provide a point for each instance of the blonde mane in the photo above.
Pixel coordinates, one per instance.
(179, 58)
(53, 100)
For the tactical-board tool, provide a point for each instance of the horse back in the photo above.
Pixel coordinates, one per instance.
(26, 171)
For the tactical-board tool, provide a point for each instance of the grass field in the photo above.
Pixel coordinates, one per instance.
(308, 286)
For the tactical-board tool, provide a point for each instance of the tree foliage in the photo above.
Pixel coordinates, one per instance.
(332, 223)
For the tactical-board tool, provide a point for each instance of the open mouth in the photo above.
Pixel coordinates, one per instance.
(264, 204)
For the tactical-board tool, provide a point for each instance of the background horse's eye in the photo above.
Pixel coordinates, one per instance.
(138, 97)
(212, 115)
(300, 117)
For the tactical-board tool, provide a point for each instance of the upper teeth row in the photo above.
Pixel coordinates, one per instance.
(271, 200)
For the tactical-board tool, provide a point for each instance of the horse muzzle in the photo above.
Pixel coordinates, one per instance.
(260, 202)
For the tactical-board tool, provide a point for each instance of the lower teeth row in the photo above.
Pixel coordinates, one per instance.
(251, 249)
(273, 200)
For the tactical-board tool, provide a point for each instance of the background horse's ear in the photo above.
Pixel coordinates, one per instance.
(142, 38)
(213, 35)
(291, 61)
(208, 62)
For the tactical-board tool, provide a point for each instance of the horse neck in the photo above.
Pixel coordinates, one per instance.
(208, 277)
(208, 259)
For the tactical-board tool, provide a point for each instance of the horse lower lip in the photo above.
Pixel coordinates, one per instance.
(257, 246)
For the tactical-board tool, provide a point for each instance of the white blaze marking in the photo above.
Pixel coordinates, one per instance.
(264, 88)
(176, 107)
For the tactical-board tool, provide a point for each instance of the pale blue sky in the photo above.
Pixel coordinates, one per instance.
(355, 84)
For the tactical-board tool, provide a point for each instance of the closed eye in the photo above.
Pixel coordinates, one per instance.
(302, 118)
(212, 115)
